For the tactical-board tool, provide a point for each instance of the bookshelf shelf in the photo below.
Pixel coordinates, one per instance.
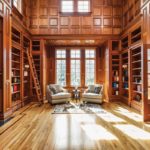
(26, 70)
(125, 74)
(35, 45)
(124, 42)
(16, 66)
(37, 62)
(15, 92)
(136, 73)
(115, 68)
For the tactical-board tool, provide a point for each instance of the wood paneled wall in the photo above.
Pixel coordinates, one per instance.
(50, 65)
(106, 18)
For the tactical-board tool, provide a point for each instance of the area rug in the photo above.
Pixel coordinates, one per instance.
(72, 108)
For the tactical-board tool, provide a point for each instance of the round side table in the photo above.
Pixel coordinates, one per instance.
(76, 95)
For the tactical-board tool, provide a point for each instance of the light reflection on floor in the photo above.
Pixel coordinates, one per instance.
(109, 117)
(104, 126)
(133, 131)
(130, 114)
(97, 132)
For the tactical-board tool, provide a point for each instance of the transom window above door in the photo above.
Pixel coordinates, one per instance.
(75, 6)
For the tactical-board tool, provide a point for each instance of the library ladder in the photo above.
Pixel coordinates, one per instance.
(35, 78)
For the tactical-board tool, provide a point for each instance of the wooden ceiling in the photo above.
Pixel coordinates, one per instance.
(74, 42)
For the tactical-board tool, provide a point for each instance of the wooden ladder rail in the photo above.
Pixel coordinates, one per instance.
(35, 77)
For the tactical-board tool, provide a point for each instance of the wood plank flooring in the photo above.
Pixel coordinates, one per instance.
(118, 128)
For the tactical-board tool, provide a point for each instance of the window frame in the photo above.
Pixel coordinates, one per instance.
(63, 49)
(86, 58)
(75, 58)
(82, 64)
(75, 9)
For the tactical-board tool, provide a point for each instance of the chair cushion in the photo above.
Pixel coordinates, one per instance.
(61, 95)
(91, 95)
(97, 89)
(94, 88)
(58, 88)
(55, 88)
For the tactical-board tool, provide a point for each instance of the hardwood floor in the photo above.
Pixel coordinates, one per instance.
(33, 127)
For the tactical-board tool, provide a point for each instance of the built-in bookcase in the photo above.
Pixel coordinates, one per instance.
(16, 37)
(115, 68)
(115, 74)
(125, 42)
(132, 68)
(26, 70)
(36, 54)
(16, 67)
(37, 62)
(136, 35)
(36, 45)
(131, 10)
(125, 75)
(1, 63)
(20, 71)
(136, 77)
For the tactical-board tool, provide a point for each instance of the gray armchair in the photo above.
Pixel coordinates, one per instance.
(93, 94)
(56, 94)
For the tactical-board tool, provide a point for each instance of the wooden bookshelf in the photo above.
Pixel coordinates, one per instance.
(35, 45)
(125, 76)
(16, 67)
(136, 35)
(115, 74)
(136, 77)
(37, 62)
(114, 57)
(16, 37)
(125, 42)
(131, 11)
(26, 70)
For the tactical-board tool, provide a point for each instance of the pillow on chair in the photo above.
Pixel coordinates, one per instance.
(53, 89)
(97, 89)
(58, 88)
(91, 89)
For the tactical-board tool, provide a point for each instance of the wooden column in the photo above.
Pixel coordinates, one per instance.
(6, 106)
(82, 67)
(68, 63)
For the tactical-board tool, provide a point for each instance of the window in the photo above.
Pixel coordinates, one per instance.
(75, 6)
(70, 66)
(83, 6)
(89, 67)
(18, 5)
(75, 68)
(67, 6)
(61, 67)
